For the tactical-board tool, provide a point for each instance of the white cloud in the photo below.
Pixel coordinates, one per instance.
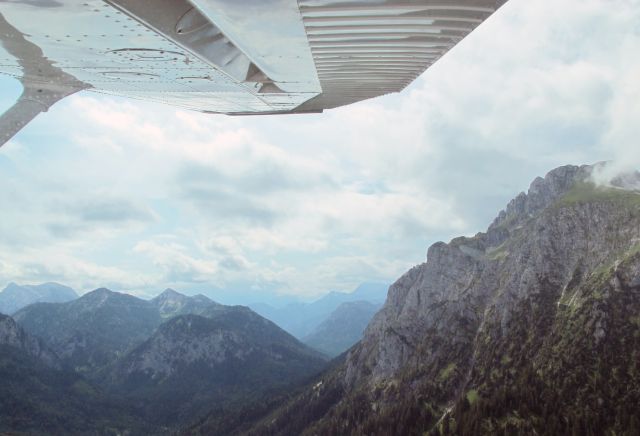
(308, 204)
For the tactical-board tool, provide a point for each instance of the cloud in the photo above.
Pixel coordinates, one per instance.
(47, 264)
(222, 205)
(98, 215)
(246, 195)
(144, 196)
(177, 265)
(113, 210)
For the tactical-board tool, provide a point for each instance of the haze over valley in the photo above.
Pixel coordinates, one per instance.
(477, 335)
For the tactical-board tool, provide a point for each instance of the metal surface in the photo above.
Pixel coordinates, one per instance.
(272, 34)
(225, 56)
(43, 83)
(364, 49)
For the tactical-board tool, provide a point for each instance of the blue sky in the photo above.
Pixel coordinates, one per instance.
(135, 196)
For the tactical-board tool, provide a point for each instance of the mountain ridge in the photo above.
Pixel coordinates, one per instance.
(195, 361)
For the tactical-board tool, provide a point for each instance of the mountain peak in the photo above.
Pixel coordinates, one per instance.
(542, 192)
(169, 294)
(171, 303)
(11, 286)
(100, 292)
(100, 296)
(170, 291)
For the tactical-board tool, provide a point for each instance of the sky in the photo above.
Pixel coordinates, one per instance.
(138, 197)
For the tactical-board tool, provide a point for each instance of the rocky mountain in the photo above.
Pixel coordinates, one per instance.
(342, 328)
(93, 330)
(14, 297)
(171, 303)
(193, 363)
(300, 319)
(531, 327)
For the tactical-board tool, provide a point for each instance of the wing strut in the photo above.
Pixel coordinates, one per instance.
(34, 99)
(43, 83)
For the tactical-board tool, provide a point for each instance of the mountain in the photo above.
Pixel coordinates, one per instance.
(131, 366)
(37, 397)
(300, 319)
(14, 297)
(171, 303)
(531, 327)
(342, 328)
(192, 363)
(93, 330)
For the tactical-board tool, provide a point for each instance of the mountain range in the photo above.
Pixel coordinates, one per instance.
(531, 327)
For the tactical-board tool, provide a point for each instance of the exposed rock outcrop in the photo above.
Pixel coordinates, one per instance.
(11, 335)
(192, 363)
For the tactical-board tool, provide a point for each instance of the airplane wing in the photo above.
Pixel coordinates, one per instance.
(225, 56)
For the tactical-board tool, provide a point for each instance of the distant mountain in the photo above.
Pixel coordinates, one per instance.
(93, 330)
(300, 319)
(193, 363)
(171, 303)
(14, 297)
(343, 328)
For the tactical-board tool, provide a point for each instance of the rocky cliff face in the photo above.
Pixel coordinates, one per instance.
(515, 329)
(557, 234)
(11, 335)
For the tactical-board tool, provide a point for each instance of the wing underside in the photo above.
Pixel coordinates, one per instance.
(224, 56)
